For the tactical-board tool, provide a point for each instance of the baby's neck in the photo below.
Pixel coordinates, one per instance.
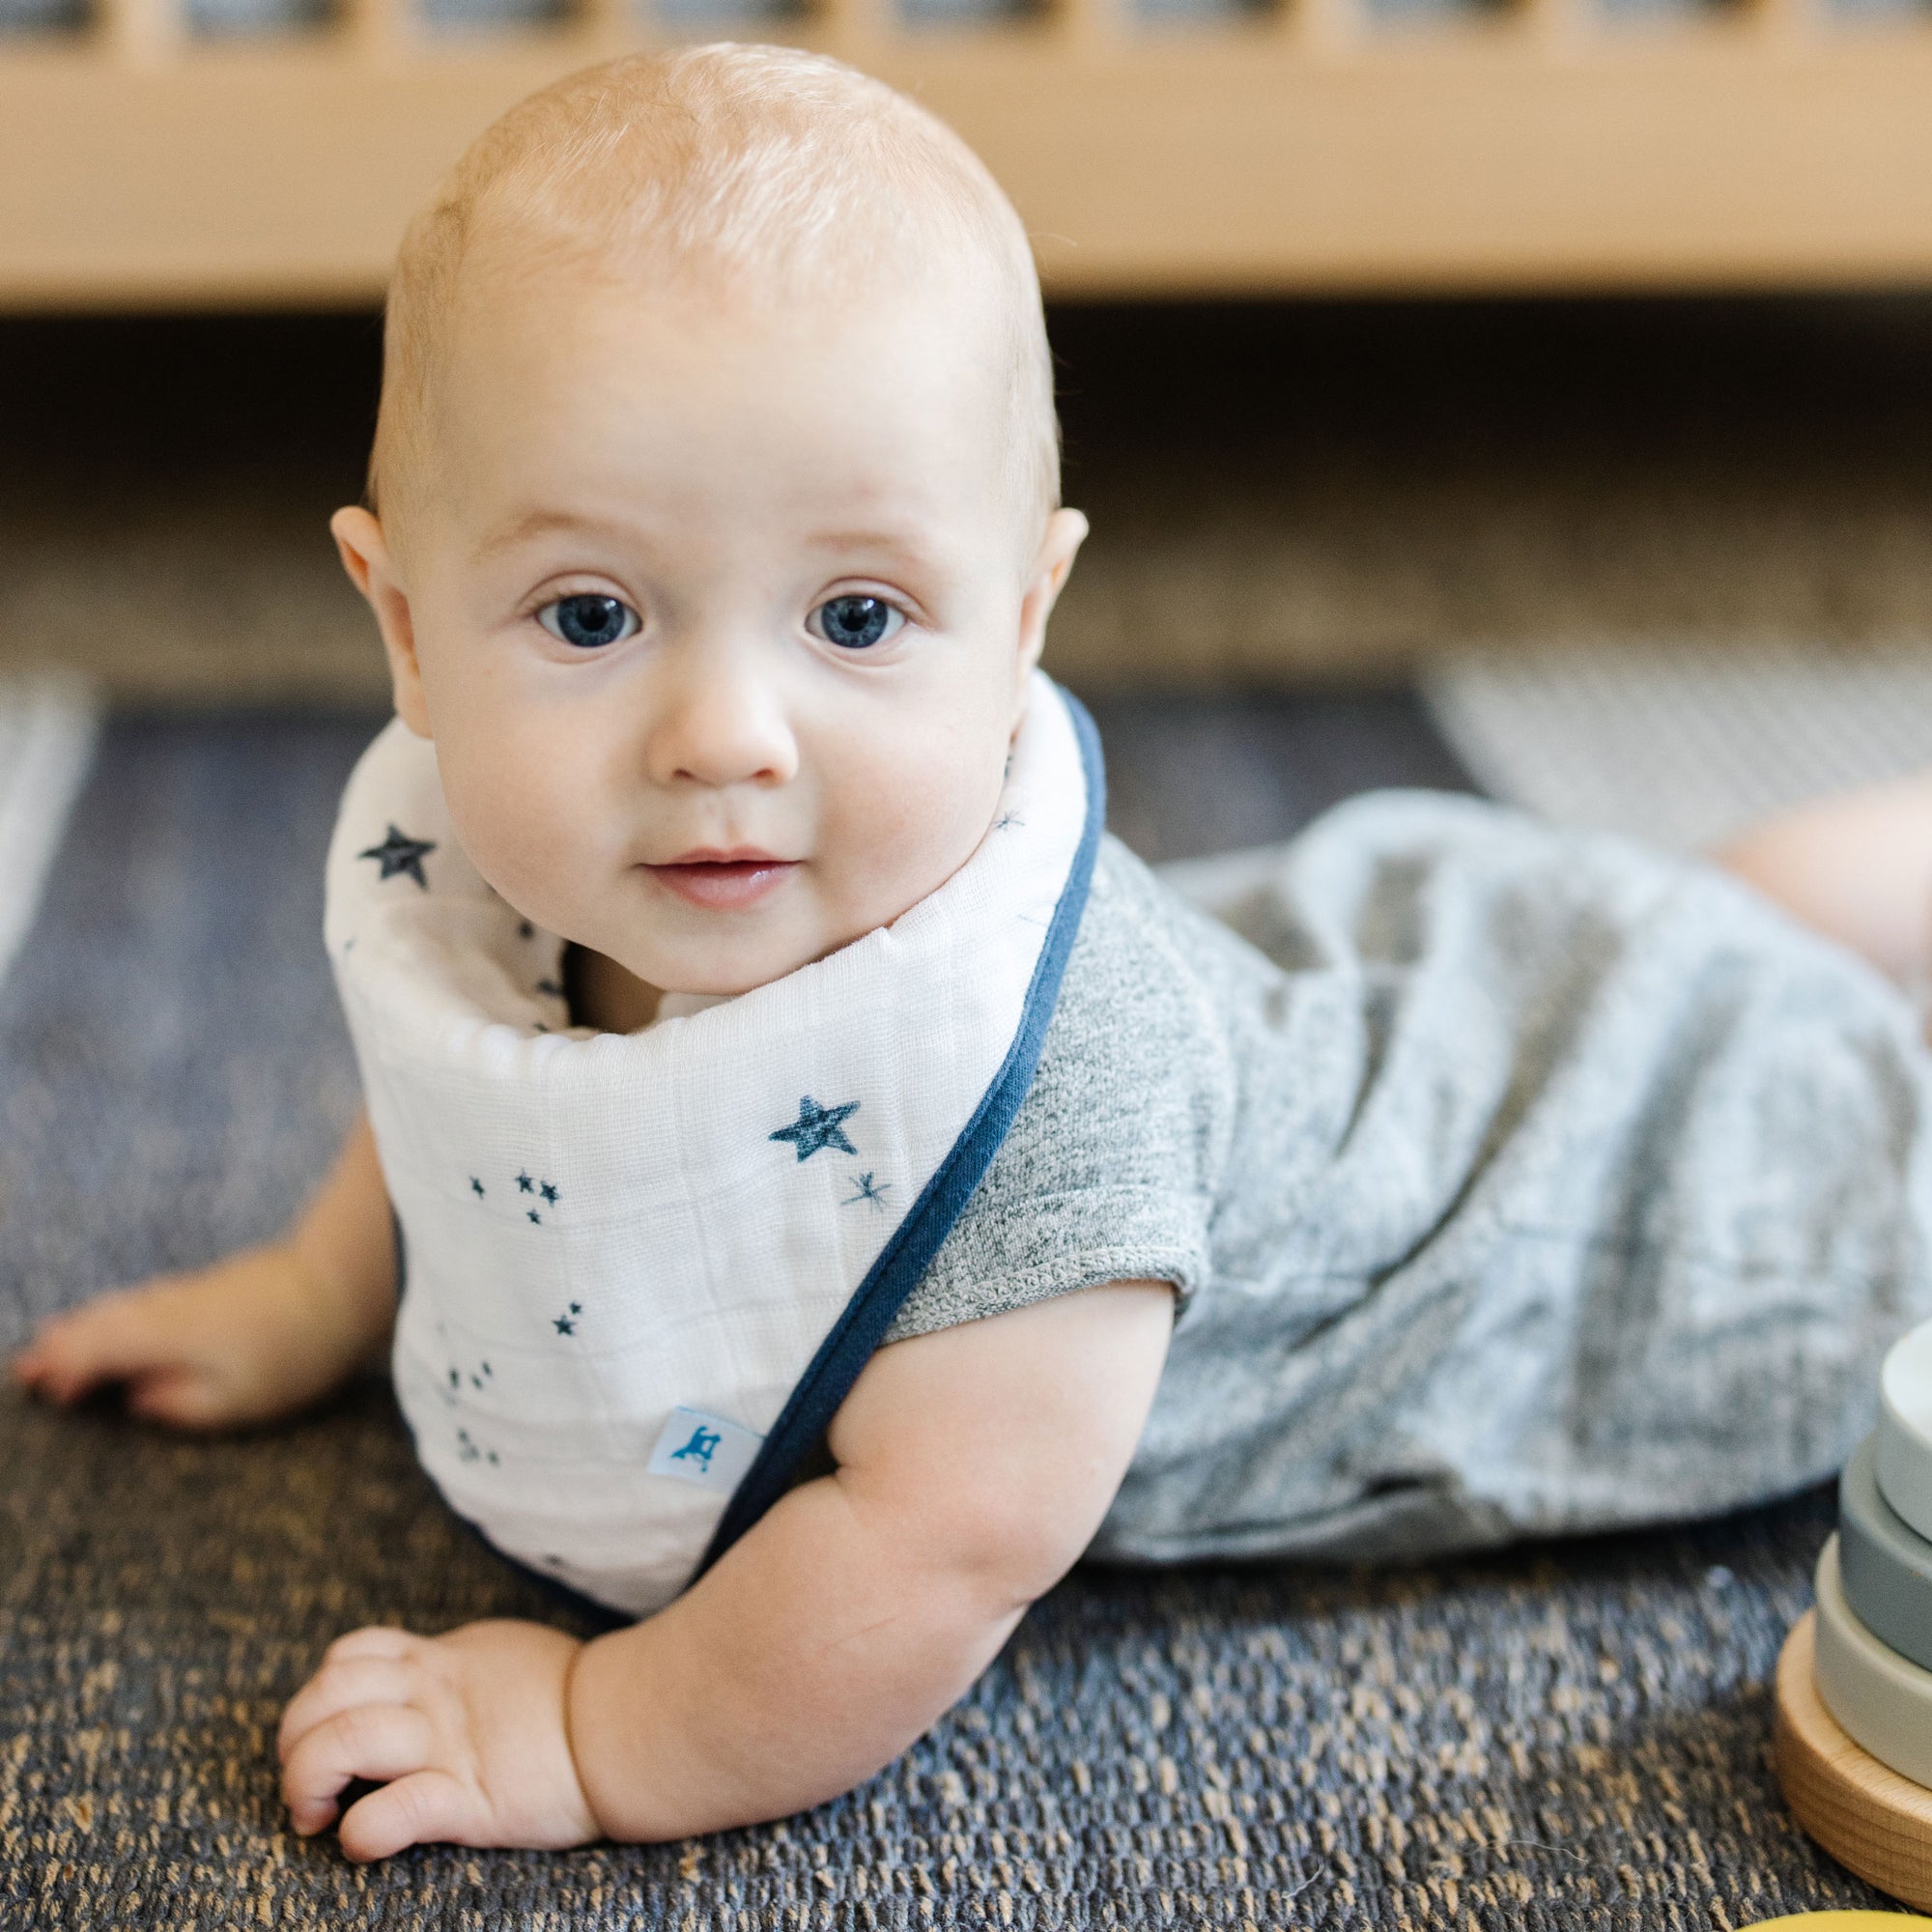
(606, 995)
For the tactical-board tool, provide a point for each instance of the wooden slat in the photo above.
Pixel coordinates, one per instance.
(1089, 26)
(610, 27)
(1217, 161)
(1324, 30)
(1561, 29)
(852, 29)
(138, 33)
(377, 30)
(1793, 25)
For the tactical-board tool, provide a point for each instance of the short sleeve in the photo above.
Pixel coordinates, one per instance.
(1108, 1172)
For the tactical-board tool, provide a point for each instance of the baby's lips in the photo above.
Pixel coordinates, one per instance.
(723, 885)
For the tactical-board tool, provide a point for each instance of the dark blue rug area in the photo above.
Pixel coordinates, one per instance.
(1570, 1736)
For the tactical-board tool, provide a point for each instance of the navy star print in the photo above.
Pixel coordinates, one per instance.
(524, 1185)
(564, 1324)
(818, 1127)
(535, 1219)
(549, 1192)
(476, 1187)
(868, 1190)
(399, 853)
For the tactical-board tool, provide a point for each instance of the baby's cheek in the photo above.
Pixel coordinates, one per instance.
(918, 818)
(523, 840)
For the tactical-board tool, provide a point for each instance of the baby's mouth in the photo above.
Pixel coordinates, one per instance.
(723, 881)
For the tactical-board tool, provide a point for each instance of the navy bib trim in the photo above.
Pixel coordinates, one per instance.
(842, 1355)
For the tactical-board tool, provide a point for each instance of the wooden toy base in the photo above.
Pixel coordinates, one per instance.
(1870, 1818)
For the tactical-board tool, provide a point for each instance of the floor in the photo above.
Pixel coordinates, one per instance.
(1561, 1736)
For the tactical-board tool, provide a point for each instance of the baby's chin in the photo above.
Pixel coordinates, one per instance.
(722, 973)
(721, 956)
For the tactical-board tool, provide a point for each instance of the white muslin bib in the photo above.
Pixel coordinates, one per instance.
(622, 1251)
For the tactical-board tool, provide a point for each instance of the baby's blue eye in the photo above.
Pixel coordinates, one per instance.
(857, 622)
(589, 621)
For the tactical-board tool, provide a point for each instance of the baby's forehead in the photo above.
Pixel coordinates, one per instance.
(683, 272)
(933, 347)
(921, 370)
(928, 351)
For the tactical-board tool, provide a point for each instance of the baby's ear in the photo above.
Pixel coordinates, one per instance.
(1066, 532)
(371, 567)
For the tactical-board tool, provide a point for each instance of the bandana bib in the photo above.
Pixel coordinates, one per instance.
(640, 1271)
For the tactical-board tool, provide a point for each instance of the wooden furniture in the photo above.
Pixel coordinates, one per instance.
(1535, 144)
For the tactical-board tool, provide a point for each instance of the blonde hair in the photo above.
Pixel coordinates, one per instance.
(731, 167)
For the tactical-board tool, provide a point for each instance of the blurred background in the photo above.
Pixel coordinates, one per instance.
(1283, 493)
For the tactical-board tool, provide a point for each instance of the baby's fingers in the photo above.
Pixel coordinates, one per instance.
(428, 1807)
(184, 1398)
(110, 1340)
(377, 1742)
(345, 1682)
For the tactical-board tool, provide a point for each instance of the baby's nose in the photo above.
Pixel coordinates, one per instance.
(717, 721)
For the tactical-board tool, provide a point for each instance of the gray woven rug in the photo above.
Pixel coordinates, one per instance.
(1683, 748)
(1570, 1736)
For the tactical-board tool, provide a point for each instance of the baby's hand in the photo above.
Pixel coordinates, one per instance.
(466, 1734)
(252, 1338)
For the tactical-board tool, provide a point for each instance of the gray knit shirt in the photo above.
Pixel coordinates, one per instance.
(1513, 1181)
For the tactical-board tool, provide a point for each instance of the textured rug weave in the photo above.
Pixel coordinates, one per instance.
(1682, 748)
(1563, 1737)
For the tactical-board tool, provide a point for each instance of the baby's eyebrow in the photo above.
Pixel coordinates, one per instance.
(904, 546)
(533, 524)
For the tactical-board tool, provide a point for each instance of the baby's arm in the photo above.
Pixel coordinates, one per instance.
(974, 1466)
(254, 1337)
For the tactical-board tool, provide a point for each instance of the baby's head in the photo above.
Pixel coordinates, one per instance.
(718, 481)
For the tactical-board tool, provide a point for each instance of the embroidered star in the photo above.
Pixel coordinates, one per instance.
(524, 1185)
(534, 1218)
(399, 853)
(549, 1192)
(476, 1187)
(868, 1190)
(818, 1127)
(562, 1324)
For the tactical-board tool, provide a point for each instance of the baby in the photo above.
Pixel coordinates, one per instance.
(740, 982)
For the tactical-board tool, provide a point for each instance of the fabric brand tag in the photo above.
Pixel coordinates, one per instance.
(704, 1449)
